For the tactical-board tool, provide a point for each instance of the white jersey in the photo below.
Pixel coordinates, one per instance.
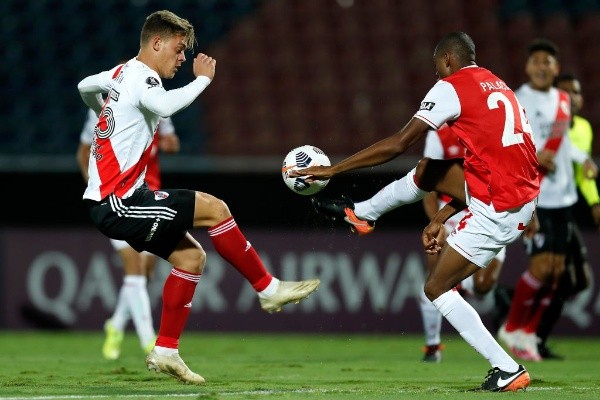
(548, 114)
(165, 127)
(127, 123)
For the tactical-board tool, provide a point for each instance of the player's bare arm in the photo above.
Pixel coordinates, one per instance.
(376, 154)
(434, 233)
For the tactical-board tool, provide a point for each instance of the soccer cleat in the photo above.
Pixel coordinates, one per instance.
(343, 208)
(174, 366)
(433, 353)
(111, 350)
(502, 381)
(288, 292)
(510, 339)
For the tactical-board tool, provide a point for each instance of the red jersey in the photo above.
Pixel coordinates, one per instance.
(500, 159)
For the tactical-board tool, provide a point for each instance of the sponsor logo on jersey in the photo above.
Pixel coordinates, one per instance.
(160, 195)
(152, 230)
(152, 81)
(427, 105)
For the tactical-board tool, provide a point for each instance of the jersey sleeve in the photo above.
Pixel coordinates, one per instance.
(92, 87)
(166, 127)
(433, 146)
(87, 132)
(441, 104)
(165, 103)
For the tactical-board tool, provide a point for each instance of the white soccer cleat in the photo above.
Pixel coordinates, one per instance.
(172, 365)
(510, 339)
(288, 292)
(527, 349)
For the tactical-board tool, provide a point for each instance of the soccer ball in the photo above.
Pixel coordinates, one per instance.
(304, 157)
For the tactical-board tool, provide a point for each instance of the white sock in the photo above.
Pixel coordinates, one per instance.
(270, 289)
(467, 322)
(165, 351)
(121, 315)
(139, 307)
(400, 192)
(432, 320)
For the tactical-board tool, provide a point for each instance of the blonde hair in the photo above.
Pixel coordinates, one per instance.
(166, 24)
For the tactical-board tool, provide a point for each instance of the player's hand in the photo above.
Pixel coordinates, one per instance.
(316, 173)
(590, 169)
(532, 228)
(433, 237)
(204, 65)
(169, 144)
(546, 160)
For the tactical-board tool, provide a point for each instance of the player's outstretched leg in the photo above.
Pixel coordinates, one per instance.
(343, 209)
(232, 245)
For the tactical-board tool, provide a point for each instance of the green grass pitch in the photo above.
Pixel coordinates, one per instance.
(68, 365)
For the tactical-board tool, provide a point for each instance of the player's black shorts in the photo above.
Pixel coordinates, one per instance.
(153, 221)
(556, 228)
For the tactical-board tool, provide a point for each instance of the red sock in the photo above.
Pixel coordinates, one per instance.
(178, 292)
(522, 302)
(231, 244)
(543, 303)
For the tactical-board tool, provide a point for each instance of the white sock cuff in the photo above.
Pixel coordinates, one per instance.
(136, 280)
(445, 302)
(270, 289)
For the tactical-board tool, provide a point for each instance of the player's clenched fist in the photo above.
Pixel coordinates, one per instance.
(204, 65)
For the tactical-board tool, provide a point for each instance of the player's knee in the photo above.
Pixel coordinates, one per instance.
(210, 210)
(219, 210)
(541, 268)
(420, 174)
(432, 290)
(483, 286)
(194, 261)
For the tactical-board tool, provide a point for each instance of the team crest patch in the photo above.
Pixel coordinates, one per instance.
(152, 81)
(160, 195)
(427, 105)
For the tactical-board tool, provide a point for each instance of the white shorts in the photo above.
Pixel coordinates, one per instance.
(483, 232)
(121, 244)
(452, 222)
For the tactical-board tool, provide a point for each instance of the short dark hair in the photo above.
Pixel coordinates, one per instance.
(543, 45)
(565, 77)
(459, 43)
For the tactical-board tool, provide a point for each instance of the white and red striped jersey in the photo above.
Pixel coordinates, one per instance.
(443, 144)
(549, 115)
(489, 121)
(127, 124)
(165, 127)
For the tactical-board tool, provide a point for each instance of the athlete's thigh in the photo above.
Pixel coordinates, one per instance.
(444, 176)
(209, 210)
